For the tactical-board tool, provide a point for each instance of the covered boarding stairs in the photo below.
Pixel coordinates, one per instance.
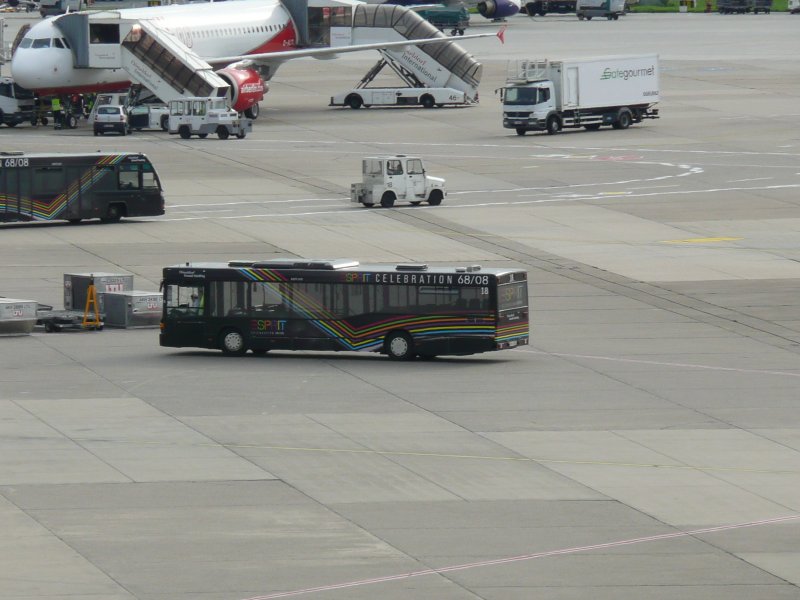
(420, 65)
(151, 56)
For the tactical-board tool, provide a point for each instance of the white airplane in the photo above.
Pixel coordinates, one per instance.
(246, 40)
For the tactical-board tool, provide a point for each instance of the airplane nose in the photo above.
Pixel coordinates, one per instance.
(24, 68)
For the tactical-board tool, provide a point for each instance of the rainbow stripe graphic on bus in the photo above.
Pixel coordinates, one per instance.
(48, 210)
(369, 337)
(513, 331)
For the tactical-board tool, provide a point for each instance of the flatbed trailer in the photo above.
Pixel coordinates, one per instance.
(54, 320)
(455, 19)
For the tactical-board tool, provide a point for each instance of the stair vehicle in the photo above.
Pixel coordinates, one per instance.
(202, 116)
(610, 9)
(401, 96)
(16, 103)
(553, 95)
(386, 179)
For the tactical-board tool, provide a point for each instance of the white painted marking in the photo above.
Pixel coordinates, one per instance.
(751, 179)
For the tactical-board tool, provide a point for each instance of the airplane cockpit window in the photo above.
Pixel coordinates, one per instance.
(57, 43)
(25, 43)
(66, 43)
(41, 43)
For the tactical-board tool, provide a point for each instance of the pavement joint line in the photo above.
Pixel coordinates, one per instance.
(523, 459)
(664, 363)
(527, 557)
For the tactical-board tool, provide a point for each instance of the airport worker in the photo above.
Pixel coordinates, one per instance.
(55, 106)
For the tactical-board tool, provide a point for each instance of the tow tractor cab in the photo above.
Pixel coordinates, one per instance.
(201, 116)
(386, 179)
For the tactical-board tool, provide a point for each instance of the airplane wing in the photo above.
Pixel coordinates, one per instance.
(324, 53)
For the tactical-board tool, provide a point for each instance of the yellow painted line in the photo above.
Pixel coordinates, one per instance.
(708, 240)
(543, 461)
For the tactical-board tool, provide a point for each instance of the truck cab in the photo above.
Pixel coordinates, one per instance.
(386, 179)
(529, 107)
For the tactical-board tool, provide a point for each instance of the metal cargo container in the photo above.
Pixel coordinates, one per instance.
(76, 286)
(132, 309)
(17, 317)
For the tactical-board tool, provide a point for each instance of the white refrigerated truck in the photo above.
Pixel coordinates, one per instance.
(553, 95)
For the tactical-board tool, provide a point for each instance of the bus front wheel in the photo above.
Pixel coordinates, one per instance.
(399, 346)
(232, 343)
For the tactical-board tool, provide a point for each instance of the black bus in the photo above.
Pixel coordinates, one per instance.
(403, 310)
(73, 187)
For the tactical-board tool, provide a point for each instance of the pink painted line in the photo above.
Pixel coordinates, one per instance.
(512, 559)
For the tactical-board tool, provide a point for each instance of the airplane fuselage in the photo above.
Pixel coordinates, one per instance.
(44, 63)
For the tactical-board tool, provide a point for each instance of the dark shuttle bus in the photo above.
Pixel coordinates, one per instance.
(403, 310)
(73, 187)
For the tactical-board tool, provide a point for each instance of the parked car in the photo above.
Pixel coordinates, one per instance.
(111, 117)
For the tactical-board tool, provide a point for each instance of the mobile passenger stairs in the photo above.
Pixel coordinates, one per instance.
(161, 62)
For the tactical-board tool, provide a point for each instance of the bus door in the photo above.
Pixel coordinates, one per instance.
(185, 307)
(74, 193)
(10, 208)
(512, 313)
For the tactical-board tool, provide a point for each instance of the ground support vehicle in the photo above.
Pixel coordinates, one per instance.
(149, 116)
(111, 117)
(73, 187)
(794, 7)
(727, 7)
(202, 116)
(400, 96)
(764, 6)
(610, 9)
(387, 179)
(454, 19)
(402, 310)
(542, 7)
(16, 103)
(553, 95)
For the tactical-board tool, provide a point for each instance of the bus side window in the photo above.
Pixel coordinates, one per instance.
(129, 177)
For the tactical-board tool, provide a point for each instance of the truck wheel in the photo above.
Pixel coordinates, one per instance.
(202, 136)
(387, 200)
(616, 17)
(553, 125)
(435, 199)
(232, 343)
(72, 122)
(588, 18)
(427, 101)
(399, 346)
(623, 120)
(222, 132)
(521, 131)
(1, 117)
(164, 123)
(185, 132)
(354, 101)
(241, 135)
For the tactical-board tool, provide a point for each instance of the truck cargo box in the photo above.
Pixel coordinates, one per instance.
(17, 317)
(132, 309)
(600, 81)
(76, 286)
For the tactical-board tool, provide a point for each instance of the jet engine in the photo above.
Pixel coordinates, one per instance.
(498, 9)
(247, 89)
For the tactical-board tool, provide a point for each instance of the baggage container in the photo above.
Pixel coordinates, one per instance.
(76, 286)
(132, 309)
(17, 317)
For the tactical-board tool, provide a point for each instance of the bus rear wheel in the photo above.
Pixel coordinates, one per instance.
(399, 346)
(232, 343)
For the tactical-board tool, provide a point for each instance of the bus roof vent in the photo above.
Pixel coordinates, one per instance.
(461, 269)
(241, 263)
(299, 263)
(412, 267)
(473, 268)
(11, 153)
